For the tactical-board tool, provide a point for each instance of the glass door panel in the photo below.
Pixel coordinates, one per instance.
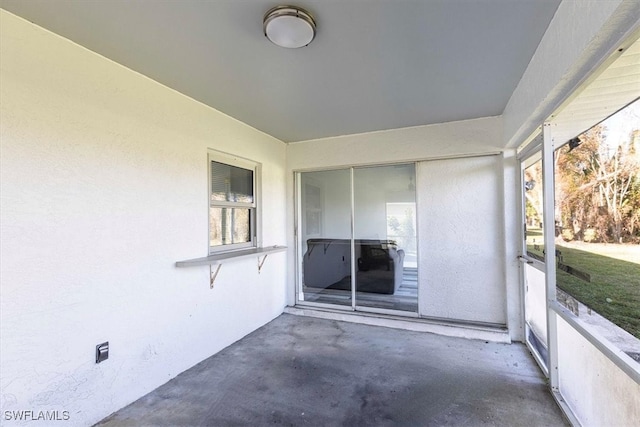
(325, 237)
(385, 237)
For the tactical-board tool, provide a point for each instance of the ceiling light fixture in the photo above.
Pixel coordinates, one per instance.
(289, 26)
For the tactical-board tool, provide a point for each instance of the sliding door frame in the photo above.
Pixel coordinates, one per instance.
(298, 212)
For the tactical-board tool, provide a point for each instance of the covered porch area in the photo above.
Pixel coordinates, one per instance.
(309, 371)
(201, 228)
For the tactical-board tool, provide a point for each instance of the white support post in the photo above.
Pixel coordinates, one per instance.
(548, 195)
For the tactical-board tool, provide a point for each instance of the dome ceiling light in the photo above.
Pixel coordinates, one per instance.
(289, 26)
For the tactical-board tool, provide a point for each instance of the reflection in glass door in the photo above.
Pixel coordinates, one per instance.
(324, 237)
(357, 238)
(385, 237)
(535, 307)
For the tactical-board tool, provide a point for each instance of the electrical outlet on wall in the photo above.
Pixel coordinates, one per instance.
(102, 352)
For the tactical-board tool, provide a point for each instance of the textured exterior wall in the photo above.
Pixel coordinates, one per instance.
(512, 242)
(409, 144)
(535, 301)
(461, 249)
(598, 392)
(104, 188)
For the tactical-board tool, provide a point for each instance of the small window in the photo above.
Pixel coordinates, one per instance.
(232, 203)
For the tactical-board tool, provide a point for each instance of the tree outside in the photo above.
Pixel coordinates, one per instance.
(597, 194)
(598, 188)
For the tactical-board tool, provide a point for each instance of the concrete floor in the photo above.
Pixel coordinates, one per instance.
(303, 371)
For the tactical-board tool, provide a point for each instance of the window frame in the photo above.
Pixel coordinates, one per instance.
(254, 211)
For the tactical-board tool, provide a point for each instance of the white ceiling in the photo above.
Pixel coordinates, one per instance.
(374, 65)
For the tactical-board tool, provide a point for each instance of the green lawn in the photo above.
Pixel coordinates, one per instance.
(614, 290)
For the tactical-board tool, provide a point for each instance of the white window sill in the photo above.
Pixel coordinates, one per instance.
(230, 256)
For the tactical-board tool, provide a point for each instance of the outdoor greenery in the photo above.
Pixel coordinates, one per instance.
(614, 290)
(535, 243)
(597, 193)
(598, 186)
(597, 217)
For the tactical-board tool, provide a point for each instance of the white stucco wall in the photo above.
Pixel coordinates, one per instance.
(461, 251)
(535, 301)
(465, 137)
(581, 35)
(103, 189)
(598, 392)
(511, 205)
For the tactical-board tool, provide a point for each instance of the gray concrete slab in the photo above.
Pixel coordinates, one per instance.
(303, 371)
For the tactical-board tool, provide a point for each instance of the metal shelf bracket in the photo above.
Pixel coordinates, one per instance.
(261, 263)
(213, 275)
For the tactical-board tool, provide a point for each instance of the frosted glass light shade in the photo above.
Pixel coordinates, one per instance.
(289, 26)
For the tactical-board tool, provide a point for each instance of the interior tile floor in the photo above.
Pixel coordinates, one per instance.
(304, 371)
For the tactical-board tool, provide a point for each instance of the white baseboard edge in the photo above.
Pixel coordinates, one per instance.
(439, 327)
(566, 410)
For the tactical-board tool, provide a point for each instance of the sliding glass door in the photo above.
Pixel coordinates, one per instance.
(385, 237)
(324, 237)
(357, 238)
